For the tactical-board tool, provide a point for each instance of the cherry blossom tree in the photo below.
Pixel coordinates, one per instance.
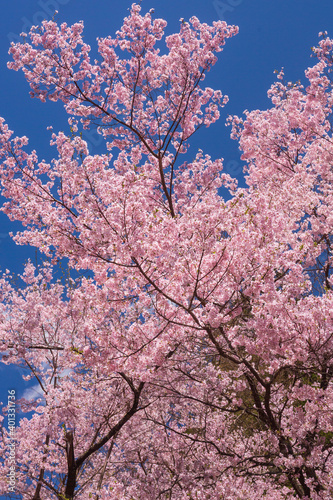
(195, 359)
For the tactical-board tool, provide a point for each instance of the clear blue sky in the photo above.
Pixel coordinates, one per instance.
(273, 34)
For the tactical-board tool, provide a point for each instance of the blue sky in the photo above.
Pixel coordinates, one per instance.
(273, 34)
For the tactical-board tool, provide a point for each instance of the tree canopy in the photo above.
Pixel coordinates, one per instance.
(195, 359)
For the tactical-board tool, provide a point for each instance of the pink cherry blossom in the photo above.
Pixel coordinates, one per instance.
(194, 360)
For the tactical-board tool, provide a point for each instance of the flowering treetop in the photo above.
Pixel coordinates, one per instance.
(204, 332)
